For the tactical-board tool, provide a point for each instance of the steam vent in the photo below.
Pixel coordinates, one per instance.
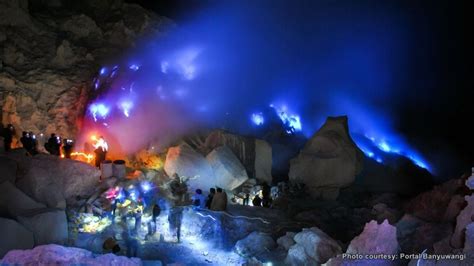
(271, 132)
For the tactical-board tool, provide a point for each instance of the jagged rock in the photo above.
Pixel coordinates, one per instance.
(48, 227)
(454, 208)
(469, 239)
(464, 218)
(432, 205)
(254, 244)
(254, 154)
(383, 212)
(14, 236)
(186, 162)
(228, 170)
(312, 247)
(14, 202)
(287, 240)
(470, 181)
(54, 181)
(59, 255)
(329, 161)
(8, 168)
(375, 239)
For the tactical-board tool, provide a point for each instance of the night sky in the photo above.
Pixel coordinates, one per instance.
(426, 66)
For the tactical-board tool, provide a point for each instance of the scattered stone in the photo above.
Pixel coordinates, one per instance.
(254, 244)
(464, 218)
(59, 255)
(329, 161)
(14, 236)
(432, 205)
(375, 239)
(313, 246)
(469, 239)
(228, 170)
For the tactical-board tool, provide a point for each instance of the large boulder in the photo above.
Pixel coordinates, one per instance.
(329, 161)
(254, 244)
(55, 181)
(254, 154)
(59, 255)
(8, 169)
(13, 202)
(184, 161)
(14, 236)
(263, 161)
(312, 247)
(464, 218)
(48, 227)
(228, 170)
(287, 240)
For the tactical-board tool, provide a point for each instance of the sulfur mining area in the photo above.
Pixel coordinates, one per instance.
(236, 133)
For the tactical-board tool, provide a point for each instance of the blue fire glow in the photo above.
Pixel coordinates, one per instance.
(290, 120)
(103, 71)
(126, 106)
(99, 110)
(134, 67)
(258, 119)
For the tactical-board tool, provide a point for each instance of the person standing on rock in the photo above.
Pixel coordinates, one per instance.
(257, 201)
(101, 149)
(67, 148)
(179, 197)
(7, 135)
(219, 202)
(212, 192)
(26, 141)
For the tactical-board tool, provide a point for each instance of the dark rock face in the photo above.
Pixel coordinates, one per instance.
(50, 51)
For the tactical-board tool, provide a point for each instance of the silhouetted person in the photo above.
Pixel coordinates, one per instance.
(8, 134)
(53, 146)
(246, 199)
(198, 199)
(266, 196)
(101, 148)
(257, 201)
(68, 145)
(175, 216)
(212, 192)
(26, 141)
(34, 143)
(219, 202)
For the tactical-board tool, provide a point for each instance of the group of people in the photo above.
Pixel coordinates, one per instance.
(29, 142)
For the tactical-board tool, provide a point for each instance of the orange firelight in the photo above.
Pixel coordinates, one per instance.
(87, 156)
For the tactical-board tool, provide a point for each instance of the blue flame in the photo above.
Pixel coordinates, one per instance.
(103, 71)
(99, 110)
(258, 119)
(134, 67)
(290, 120)
(126, 106)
